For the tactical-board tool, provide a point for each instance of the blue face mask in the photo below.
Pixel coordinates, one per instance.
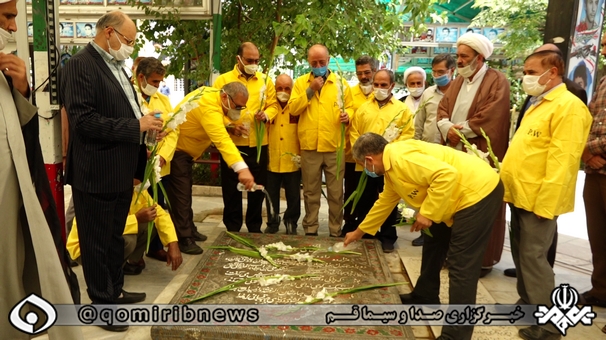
(319, 71)
(442, 80)
(372, 173)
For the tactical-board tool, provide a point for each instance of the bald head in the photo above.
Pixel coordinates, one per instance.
(284, 80)
(548, 47)
(318, 56)
(247, 46)
(108, 27)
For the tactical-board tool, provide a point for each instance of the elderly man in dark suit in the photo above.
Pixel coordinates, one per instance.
(582, 95)
(106, 127)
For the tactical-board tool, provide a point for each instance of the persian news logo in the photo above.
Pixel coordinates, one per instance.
(31, 318)
(564, 313)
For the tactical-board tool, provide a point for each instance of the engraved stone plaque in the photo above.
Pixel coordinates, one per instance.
(218, 268)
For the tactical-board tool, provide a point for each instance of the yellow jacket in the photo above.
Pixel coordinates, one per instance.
(282, 139)
(371, 118)
(204, 126)
(540, 168)
(319, 125)
(359, 98)
(438, 180)
(163, 224)
(166, 147)
(255, 85)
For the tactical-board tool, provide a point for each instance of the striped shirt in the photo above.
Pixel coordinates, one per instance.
(117, 68)
(596, 143)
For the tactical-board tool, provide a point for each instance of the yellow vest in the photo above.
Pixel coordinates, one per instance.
(163, 224)
(166, 147)
(370, 118)
(204, 126)
(436, 180)
(255, 85)
(359, 98)
(540, 168)
(319, 124)
(283, 139)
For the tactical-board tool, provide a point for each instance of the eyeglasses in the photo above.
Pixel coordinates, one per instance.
(237, 107)
(129, 42)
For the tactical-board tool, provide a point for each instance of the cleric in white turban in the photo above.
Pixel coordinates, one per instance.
(478, 43)
(478, 99)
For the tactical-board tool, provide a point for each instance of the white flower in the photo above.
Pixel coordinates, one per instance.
(274, 280)
(279, 245)
(297, 160)
(391, 132)
(263, 251)
(321, 294)
(157, 169)
(262, 96)
(309, 299)
(301, 257)
(408, 213)
(474, 151)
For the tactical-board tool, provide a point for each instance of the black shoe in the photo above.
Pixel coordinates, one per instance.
(311, 234)
(130, 298)
(510, 272)
(73, 263)
(538, 333)
(197, 236)
(410, 299)
(131, 269)
(587, 299)
(273, 229)
(188, 246)
(115, 328)
(418, 242)
(387, 248)
(291, 228)
(485, 271)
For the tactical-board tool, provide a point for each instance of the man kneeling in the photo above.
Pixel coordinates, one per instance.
(135, 233)
(457, 196)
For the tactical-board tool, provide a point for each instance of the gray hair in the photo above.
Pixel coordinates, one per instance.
(367, 145)
(114, 19)
(392, 76)
(149, 65)
(235, 88)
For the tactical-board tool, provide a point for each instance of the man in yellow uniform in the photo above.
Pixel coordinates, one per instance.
(135, 233)
(323, 102)
(387, 116)
(284, 162)
(204, 125)
(365, 70)
(148, 76)
(540, 172)
(242, 131)
(457, 196)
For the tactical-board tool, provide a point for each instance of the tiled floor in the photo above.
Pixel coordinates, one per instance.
(573, 266)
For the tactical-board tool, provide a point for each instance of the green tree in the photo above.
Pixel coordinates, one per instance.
(348, 28)
(524, 21)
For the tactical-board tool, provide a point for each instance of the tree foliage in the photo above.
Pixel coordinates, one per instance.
(349, 28)
(524, 20)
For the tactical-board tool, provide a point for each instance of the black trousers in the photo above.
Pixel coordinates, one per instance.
(178, 187)
(101, 220)
(351, 178)
(232, 198)
(464, 243)
(292, 188)
(374, 186)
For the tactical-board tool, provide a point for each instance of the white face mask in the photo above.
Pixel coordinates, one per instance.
(366, 89)
(148, 89)
(249, 69)
(530, 85)
(283, 97)
(4, 36)
(467, 71)
(233, 114)
(123, 53)
(416, 91)
(381, 94)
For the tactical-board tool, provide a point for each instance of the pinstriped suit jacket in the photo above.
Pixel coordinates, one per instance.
(104, 144)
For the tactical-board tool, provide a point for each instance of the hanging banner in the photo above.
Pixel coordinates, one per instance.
(585, 44)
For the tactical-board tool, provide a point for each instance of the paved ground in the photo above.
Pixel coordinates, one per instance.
(573, 266)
